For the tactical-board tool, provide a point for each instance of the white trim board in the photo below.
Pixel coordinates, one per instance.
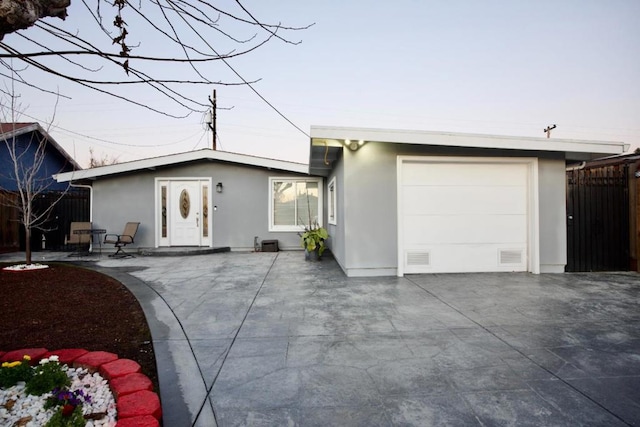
(332, 136)
(180, 158)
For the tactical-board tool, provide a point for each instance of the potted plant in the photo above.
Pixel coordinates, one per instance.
(312, 240)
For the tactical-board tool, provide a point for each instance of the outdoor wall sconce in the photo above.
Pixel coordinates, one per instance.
(219, 187)
(353, 145)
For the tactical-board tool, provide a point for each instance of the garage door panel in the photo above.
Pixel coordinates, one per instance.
(459, 229)
(442, 174)
(465, 259)
(473, 200)
(464, 216)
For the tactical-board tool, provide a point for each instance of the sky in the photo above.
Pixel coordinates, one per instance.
(493, 67)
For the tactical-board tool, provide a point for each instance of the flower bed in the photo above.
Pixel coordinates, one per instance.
(95, 389)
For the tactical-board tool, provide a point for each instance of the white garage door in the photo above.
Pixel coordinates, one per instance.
(463, 217)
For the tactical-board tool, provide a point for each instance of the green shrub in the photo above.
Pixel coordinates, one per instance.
(13, 372)
(47, 376)
(74, 420)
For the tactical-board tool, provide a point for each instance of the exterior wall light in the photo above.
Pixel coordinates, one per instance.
(219, 187)
(353, 145)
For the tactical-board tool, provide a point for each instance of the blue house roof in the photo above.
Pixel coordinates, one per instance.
(27, 137)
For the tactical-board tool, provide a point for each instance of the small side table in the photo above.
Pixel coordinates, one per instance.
(93, 232)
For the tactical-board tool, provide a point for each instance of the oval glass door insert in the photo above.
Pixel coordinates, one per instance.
(185, 204)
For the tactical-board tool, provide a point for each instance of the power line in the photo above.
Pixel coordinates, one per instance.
(199, 140)
(108, 141)
(252, 88)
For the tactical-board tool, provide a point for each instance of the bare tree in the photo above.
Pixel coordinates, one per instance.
(26, 172)
(164, 44)
(104, 160)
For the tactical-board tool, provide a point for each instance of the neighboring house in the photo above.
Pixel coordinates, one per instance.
(401, 202)
(27, 137)
(204, 198)
(603, 214)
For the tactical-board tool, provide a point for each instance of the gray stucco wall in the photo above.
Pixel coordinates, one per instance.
(370, 210)
(370, 205)
(553, 213)
(336, 242)
(242, 207)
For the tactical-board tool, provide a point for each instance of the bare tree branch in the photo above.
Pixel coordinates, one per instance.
(195, 33)
(27, 158)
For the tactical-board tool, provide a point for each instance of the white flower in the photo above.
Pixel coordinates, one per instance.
(46, 360)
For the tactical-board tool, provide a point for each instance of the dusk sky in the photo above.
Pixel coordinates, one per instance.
(491, 67)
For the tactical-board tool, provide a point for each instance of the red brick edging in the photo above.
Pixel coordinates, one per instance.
(136, 403)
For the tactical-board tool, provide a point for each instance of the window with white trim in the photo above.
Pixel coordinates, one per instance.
(331, 201)
(294, 203)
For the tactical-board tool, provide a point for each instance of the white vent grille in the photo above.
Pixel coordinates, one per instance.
(418, 258)
(512, 256)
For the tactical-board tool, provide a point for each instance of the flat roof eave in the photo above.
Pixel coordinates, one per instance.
(182, 158)
(322, 134)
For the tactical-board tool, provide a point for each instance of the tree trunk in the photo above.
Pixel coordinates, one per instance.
(20, 14)
(27, 244)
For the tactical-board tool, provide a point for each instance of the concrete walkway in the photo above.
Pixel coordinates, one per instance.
(267, 339)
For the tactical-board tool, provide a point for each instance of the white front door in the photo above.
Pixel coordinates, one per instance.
(182, 212)
(185, 213)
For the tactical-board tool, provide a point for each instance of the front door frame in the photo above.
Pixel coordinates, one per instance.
(163, 221)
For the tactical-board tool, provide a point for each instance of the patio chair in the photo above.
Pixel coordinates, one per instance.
(122, 240)
(76, 239)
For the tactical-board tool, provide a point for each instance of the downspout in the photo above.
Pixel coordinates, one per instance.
(576, 167)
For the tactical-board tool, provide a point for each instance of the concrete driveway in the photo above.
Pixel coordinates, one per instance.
(267, 339)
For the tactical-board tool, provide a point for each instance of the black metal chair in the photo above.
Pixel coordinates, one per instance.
(122, 240)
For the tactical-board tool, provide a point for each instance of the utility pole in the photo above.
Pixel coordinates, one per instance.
(212, 124)
(211, 118)
(549, 129)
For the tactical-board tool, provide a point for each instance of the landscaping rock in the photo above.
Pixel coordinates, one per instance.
(144, 421)
(118, 368)
(67, 355)
(139, 404)
(35, 353)
(94, 359)
(128, 384)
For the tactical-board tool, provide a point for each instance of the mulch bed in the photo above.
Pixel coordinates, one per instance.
(66, 306)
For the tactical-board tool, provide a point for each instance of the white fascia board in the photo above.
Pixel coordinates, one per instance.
(174, 159)
(467, 140)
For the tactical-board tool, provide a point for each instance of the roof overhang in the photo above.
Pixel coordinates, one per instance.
(328, 141)
(181, 158)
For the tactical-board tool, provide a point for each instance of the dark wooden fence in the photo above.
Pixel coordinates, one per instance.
(598, 219)
(74, 206)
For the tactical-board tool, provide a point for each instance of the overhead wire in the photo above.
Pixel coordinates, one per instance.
(108, 141)
(245, 81)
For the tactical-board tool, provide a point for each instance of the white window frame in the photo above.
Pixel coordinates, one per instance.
(332, 212)
(294, 228)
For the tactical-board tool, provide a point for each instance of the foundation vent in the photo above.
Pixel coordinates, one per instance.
(510, 257)
(418, 258)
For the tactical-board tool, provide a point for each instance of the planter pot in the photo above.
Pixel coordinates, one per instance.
(312, 256)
